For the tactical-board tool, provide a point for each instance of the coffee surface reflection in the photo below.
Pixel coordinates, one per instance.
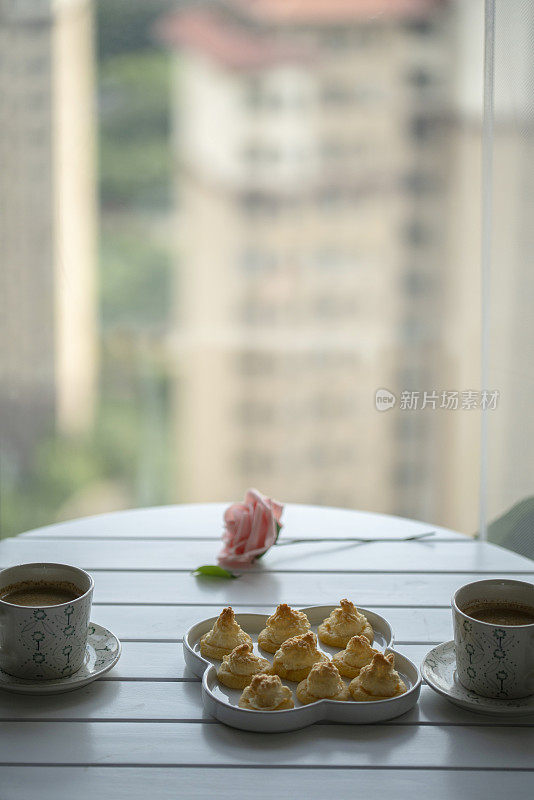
(40, 593)
(495, 613)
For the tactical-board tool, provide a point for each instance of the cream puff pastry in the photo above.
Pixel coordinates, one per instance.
(225, 635)
(357, 654)
(282, 625)
(239, 667)
(378, 680)
(343, 623)
(294, 658)
(266, 693)
(323, 683)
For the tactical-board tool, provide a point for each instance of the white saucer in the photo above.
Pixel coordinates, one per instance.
(439, 671)
(102, 652)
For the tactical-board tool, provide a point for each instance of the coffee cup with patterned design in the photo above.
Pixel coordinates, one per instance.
(494, 637)
(44, 617)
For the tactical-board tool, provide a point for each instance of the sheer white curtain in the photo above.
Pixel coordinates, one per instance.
(342, 199)
(508, 276)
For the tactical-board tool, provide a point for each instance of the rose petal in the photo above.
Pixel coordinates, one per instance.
(253, 495)
(242, 527)
(277, 509)
(250, 529)
(259, 523)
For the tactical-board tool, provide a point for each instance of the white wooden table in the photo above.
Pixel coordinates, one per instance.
(140, 731)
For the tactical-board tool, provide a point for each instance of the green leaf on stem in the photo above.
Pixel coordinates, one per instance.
(213, 571)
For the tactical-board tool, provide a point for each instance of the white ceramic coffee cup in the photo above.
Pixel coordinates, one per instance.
(44, 642)
(494, 660)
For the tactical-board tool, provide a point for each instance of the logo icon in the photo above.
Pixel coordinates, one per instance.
(384, 400)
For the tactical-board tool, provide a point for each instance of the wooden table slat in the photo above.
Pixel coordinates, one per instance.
(137, 743)
(144, 700)
(301, 589)
(417, 556)
(205, 520)
(226, 784)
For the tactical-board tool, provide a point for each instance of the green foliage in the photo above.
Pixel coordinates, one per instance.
(126, 25)
(135, 95)
(212, 571)
(135, 158)
(116, 452)
(65, 465)
(134, 174)
(128, 445)
(60, 467)
(117, 439)
(135, 276)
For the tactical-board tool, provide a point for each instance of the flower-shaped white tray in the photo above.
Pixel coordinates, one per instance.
(222, 703)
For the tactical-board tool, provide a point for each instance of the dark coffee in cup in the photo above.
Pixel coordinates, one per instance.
(40, 593)
(500, 613)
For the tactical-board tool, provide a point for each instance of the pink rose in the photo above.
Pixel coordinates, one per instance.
(251, 528)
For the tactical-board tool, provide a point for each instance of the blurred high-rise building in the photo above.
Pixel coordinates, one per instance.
(314, 145)
(47, 221)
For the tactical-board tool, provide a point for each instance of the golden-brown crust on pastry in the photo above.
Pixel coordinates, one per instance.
(281, 626)
(294, 658)
(225, 635)
(239, 667)
(266, 693)
(357, 654)
(342, 624)
(323, 683)
(378, 680)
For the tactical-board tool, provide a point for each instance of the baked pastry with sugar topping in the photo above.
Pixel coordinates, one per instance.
(357, 654)
(282, 625)
(323, 683)
(239, 667)
(378, 680)
(295, 657)
(343, 623)
(225, 635)
(266, 693)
